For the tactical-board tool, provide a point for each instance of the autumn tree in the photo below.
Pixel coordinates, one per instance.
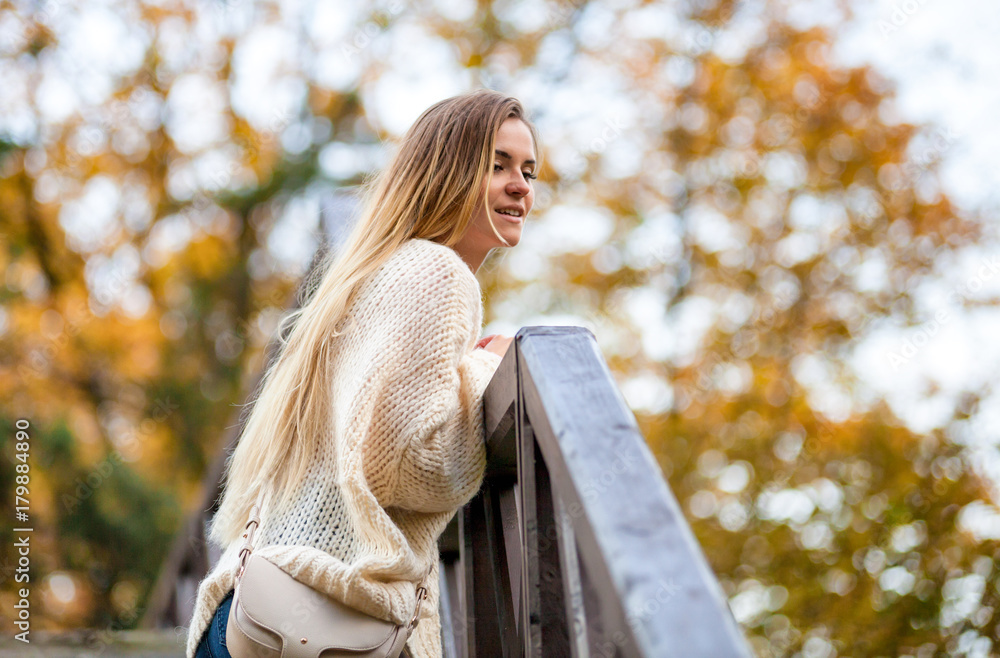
(728, 209)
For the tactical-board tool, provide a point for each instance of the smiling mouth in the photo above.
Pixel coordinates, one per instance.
(510, 215)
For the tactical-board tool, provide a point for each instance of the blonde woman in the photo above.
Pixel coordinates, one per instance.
(367, 433)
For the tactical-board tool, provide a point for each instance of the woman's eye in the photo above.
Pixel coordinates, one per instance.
(527, 174)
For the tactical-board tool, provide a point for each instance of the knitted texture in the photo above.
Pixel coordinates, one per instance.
(407, 449)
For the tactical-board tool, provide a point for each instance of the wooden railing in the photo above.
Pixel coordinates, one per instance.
(574, 546)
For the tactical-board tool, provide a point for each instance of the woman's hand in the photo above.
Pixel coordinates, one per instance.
(495, 343)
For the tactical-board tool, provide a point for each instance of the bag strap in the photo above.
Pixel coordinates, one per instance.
(253, 522)
(421, 595)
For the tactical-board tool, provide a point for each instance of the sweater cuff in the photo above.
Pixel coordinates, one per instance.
(482, 366)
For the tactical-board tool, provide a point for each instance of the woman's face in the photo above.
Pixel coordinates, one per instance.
(510, 194)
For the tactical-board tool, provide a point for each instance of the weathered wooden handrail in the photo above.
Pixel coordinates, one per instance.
(575, 545)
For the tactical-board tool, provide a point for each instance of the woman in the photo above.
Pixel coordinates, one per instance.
(367, 434)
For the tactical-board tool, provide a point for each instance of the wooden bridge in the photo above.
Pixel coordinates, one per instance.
(574, 546)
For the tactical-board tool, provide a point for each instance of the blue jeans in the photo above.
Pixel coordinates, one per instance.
(213, 642)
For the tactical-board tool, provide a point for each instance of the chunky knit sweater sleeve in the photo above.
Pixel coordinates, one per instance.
(430, 395)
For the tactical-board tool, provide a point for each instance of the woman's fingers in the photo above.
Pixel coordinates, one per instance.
(485, 340)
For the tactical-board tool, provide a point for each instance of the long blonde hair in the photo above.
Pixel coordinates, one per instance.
(430, 189)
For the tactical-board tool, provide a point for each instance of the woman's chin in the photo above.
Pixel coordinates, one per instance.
(512, 239)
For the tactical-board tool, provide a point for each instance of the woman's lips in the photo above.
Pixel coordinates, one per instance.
(509, 218)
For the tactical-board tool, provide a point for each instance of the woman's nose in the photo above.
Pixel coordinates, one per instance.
(518, 186)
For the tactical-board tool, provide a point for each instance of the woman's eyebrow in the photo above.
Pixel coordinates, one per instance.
(505, 154)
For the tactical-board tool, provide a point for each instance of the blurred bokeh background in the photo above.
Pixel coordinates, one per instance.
(777, 217)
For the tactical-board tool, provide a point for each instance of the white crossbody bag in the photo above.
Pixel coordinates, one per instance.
(266, 619)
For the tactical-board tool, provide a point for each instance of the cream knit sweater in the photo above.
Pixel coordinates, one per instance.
(407, 449)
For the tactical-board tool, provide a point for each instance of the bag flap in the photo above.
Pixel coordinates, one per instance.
(295, 610)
